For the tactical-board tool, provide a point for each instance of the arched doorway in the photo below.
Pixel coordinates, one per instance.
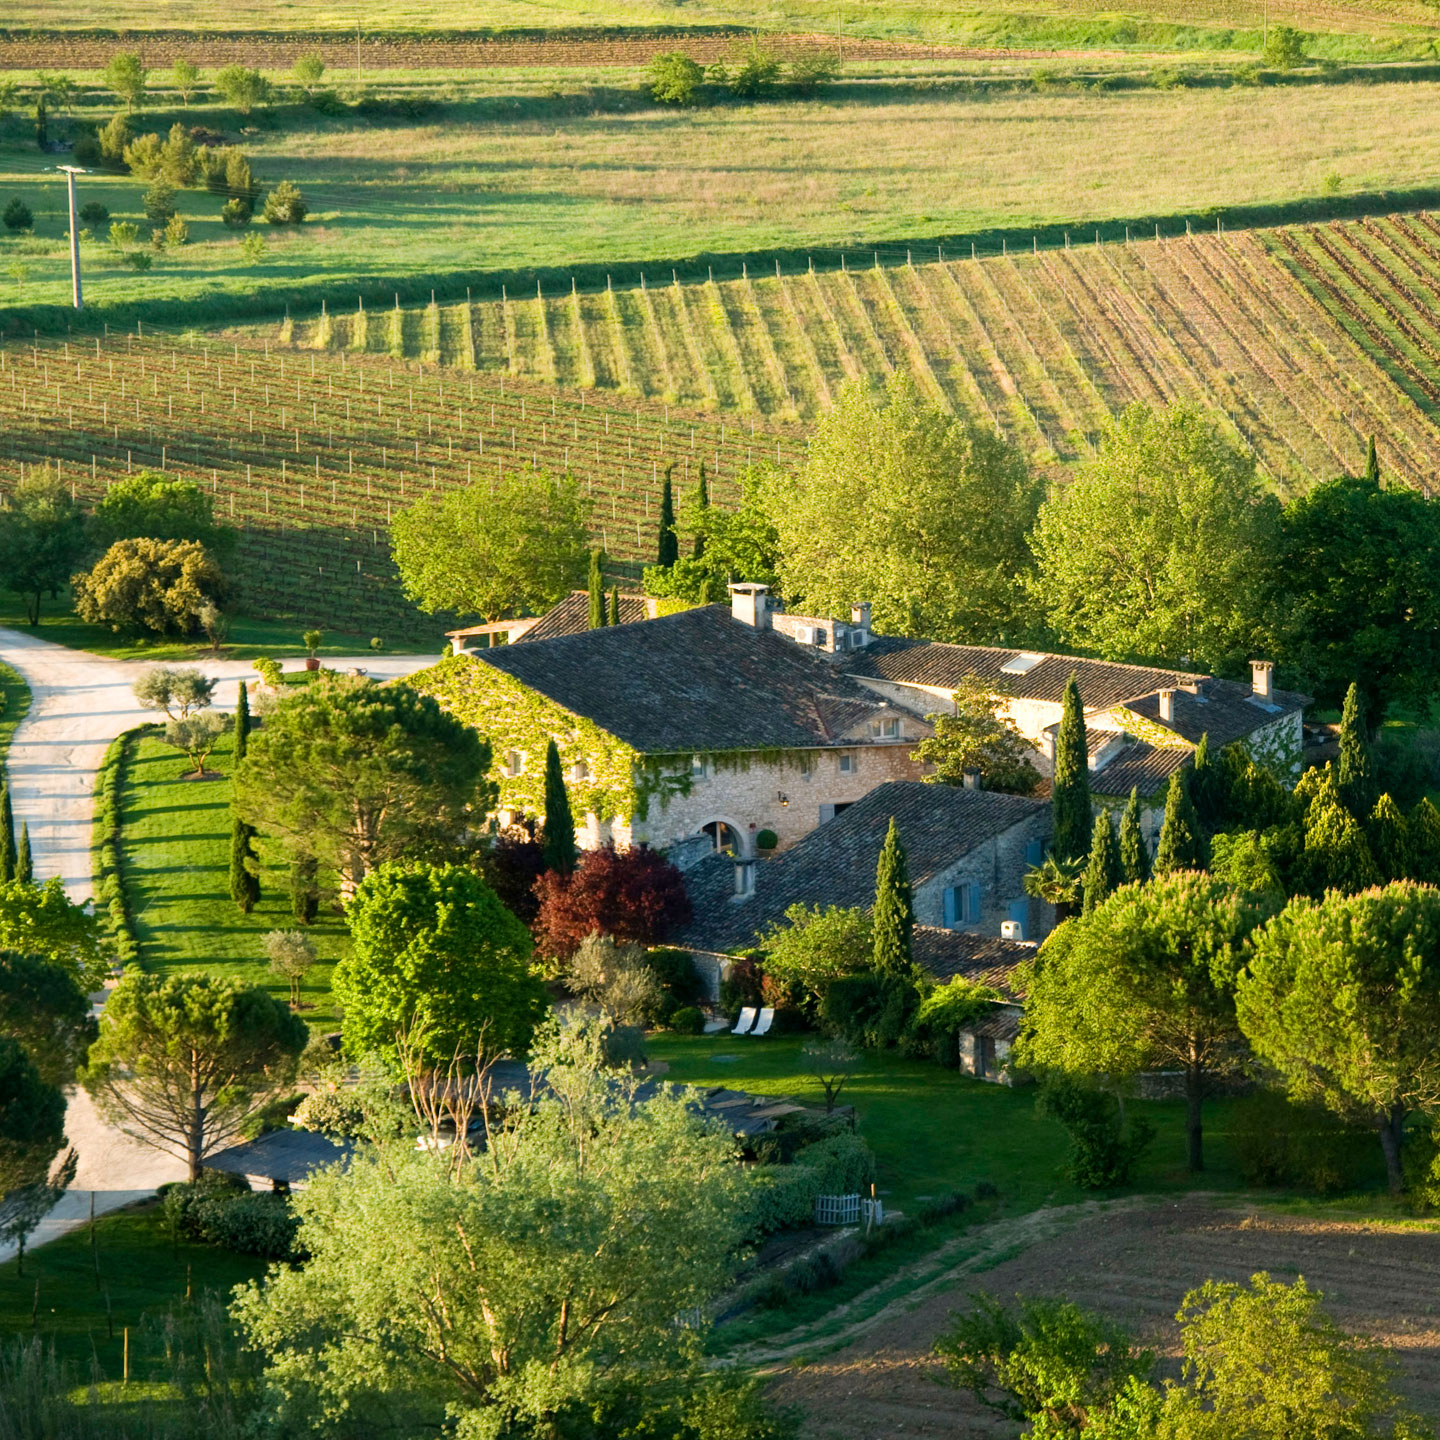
(727, 837)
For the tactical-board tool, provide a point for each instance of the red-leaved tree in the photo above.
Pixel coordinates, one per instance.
(632, 895)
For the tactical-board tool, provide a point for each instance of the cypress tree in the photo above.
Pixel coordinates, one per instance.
(667, 551)
(1372, 464)
(597, 592)
(1389, 837)
(894, 918)
(1337, 854)
(1181, 846)
(559, 823)
(702, 504)
(7, 834)
(615, 605)
(244, 879)
(242, 721)
(1070, 797)
(24, 865)
(304, 892)
(1209, 786)
(1423, 828)
(1356, 770)
(1103, 874)
(1134, 856)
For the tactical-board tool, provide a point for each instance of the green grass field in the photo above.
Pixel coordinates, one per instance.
(573, 172)
(176, 839)
(17, 706)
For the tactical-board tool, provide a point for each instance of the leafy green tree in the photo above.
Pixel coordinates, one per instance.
(244, 866)
(308, 71)
(596, 583)
(894, 915)
(243, 88)
(197, 736)
(1342, 998)
(1159, 548)
(1070, 792)
(904, 504)
(178, 691)
(114, 138)
(146, 505)
(978, 737)
(356, 774)
(1355, 771)
(1102, 873)
(1103, 1148)
(183, 1062)
(674, 79)
(559, 822)
(125, 74)
(667, 550)
(530, 1289)
(1134, 853)
(437, 961)
(186, 76)
(1146, 981)
(1389, 838)
(1052, 1363)
(1285, 49)
(292, 955)
(1181, 845)
(812, 946)
(1358, 601)
(730, 545)
(516, 549)
(42, 920)
(155, 585)
(42, 537)
(44, 1009)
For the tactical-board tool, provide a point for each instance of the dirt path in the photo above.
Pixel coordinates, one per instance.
(79, 703)
(1133, 1260)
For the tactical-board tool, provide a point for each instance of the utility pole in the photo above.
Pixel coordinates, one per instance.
(71, 172)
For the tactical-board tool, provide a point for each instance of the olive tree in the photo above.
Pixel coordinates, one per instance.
(180, 691)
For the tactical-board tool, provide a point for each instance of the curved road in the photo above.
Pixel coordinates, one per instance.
(79, 703)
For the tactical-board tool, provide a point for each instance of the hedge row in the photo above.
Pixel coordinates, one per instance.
(111, 894)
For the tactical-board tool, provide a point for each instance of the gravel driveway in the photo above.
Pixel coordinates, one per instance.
(79, 703)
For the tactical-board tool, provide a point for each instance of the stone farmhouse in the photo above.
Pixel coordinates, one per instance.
(690, 732)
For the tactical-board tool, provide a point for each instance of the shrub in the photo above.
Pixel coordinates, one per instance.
(143, 155)
(767, 840)
(338, 1113)
(328, 103)
(177, 232)
(114, 138)
(675, 969)
(1276, 1142)
(759, 70)
(740, 987)
(869, 1009)
(94, 214)
(18, 215)
(1103, 1149)
(160, 202)
(237, 214)
(688, 1020)
(243, 88)
(674, 79)
(376, 644)
(139, 260)
(285, 205)
(252, 249)
(811, 71)
(1284, 47)
(86, 150)
(634, 895)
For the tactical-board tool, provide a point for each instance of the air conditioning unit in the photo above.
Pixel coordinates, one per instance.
(805, 634)
(1012, 930)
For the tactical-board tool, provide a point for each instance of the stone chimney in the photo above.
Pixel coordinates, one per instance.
(750, 605)
(971, 780)
(1261, 672)
(1167, 706)
(860, 619)
(744, 878)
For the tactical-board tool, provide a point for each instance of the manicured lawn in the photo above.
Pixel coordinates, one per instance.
(176, 837)
(934, 1130)
(248, 639)
(139, 1268)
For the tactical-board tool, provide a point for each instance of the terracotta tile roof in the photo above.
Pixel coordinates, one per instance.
(697, 681)
(1227, 711)
(835, 864)
(929, 662)
(572, 616)
(982, 959)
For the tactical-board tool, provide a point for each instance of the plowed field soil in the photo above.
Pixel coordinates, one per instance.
(1133, 1264)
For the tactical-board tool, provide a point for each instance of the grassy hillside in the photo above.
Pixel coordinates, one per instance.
(519, 173)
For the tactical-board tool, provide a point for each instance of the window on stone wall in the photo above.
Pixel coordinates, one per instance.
(515, 763)
(580, 771)
(885, 729)
(849, 764)
(698, 767)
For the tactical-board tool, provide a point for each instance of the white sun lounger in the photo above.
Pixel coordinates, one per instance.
(763, 1024)
(746, 1020)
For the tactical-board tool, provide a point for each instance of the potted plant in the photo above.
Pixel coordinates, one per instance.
(311, 640)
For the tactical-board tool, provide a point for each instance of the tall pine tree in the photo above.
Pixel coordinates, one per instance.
(24, 863)
(597, 592)
(1070, 797)
(559, 823)
(1102, 876)
(667, 551)
(1134, 853)
(702, 504)
(1181, 845)
(615, 605)
(1356, 770)
(894, 917)
(7, 834)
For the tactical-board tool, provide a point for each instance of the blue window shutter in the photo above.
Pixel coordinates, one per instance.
(1020, 912)
(951, 918)
(1035, 852)
(974, 916)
